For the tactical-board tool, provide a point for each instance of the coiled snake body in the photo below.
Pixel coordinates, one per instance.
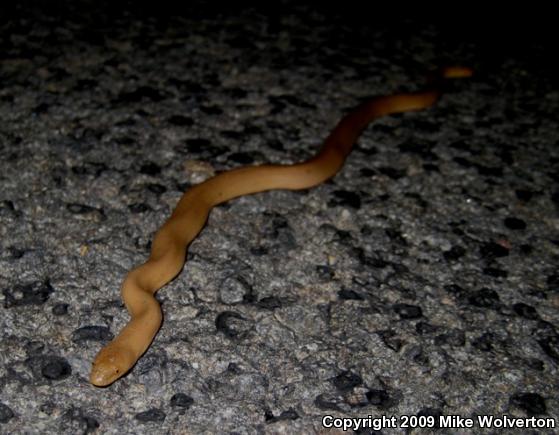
(169, 246)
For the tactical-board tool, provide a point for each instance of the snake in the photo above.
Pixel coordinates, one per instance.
(169, 246)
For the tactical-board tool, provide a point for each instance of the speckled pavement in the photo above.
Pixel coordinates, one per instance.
(421, 281)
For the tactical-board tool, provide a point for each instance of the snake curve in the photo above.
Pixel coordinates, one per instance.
(168, 251)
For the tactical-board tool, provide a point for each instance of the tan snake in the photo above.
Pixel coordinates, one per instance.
(168, 251)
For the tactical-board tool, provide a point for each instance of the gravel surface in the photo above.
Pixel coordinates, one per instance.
(421, 280)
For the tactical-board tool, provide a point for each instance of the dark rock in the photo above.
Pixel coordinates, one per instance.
(180, 121)
(237, 93)
(553, 282)
(92, 333)
(421, 148)
(76, 208)
(153, 361)
(16, 253)
(345, 198)
(140, 94)
(139, 207)
(158, 189)
(41, 108)
(526, 311)
(346, 381)
(150, 168)
(50, 367)
(485, 298)
(90, 168)
(367, 172)
(454, 253)
(495, 272)
(327, 402)
(56, 369)
(270, 303)
(532, 403)
(367, 260)
(35, 293)
(454, 337)
(277, 228)
(211, 110)
(197, 145)
(524, 194)
(325, 273)
(379, 398)
(181, 400)
(391, 339)
(396, 236)
(393, 173)
(7, 209)
(407, 311)
(232, 134)
(153, 414)
(259, 251)
(232, 324)
(514, 223)
(429, 167)
(550, 345)
(78, 417)
(490, 171)
(6, 413)
(241, 157)
(290, 414)
(60, 309)
(456, 290)
(86, 84)
(125, 140)
(424, 328)
(484, 342)
(345, 294)
(492, 250)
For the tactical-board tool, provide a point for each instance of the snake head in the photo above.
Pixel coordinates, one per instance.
(112, 362)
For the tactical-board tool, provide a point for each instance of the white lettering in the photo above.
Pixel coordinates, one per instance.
(455, 422)
(485, 421)
(489, 421)
(346, 423)
(445, 422)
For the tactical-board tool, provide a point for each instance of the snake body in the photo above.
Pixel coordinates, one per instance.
(168, 251)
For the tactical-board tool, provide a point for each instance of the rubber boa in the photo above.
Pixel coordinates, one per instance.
(168, 250)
